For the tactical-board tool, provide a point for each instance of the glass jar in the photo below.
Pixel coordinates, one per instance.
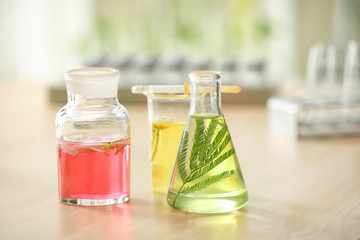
(93, 140)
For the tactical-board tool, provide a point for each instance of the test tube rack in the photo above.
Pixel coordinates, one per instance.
(314, 116)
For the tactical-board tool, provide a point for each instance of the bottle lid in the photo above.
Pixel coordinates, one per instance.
(93, 82)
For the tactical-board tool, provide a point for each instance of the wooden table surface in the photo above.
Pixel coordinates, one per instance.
(298, 189)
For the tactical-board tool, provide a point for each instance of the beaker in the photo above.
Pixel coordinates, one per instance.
(93, 140)
(168, 108)
(206, 177)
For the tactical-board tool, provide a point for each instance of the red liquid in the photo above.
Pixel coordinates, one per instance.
(94, 171)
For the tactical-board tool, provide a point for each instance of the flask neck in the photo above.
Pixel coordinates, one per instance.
(205, 93)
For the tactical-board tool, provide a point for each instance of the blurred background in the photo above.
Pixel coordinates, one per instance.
(258, 44)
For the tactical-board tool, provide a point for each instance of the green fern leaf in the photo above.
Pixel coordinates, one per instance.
(207, 167)
(218, 138)
(198, 141)
(182, 156)
(218, 150)
(205, 155)
(209, 132)
(208, 181)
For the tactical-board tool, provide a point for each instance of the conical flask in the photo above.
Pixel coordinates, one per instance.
(206, 177)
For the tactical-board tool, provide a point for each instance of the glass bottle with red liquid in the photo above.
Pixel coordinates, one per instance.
(93, 140)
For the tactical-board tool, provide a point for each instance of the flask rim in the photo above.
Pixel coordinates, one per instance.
(205, 75)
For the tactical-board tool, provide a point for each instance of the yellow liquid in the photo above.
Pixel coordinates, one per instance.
(164, 145)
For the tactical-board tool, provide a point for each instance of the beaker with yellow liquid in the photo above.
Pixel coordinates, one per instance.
(168, 108)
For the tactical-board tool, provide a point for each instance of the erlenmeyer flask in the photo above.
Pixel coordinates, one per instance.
(206, 177)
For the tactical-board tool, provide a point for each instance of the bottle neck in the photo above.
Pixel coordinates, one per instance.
(82, 102)
(205, 93)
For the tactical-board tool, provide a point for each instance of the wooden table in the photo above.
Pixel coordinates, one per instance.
(298, 189)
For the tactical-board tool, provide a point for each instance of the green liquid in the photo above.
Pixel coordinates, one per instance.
(221, 187)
